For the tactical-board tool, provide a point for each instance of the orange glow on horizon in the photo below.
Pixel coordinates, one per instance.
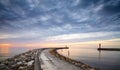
(57, 44)
(104, 42)
(41, 45)
(5, 45)
(4, 49)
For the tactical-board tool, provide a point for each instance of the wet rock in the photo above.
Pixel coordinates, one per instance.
(22, 61)
(30, 63)
(6, 62)
(19, 63)
(21, 68)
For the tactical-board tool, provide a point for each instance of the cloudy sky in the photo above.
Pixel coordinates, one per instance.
(59, 21)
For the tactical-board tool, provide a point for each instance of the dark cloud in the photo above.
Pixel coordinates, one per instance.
(110, 7)
(87, 3)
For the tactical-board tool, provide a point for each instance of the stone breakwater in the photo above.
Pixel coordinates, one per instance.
(24, 61)
(76, 63)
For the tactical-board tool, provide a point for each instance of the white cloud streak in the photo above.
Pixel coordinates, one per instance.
(82, 35)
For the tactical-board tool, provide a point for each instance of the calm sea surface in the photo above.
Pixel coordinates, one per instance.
(104, 60)
(6, 52)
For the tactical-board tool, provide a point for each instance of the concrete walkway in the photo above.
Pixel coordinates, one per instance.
(50, 62)
(37, 64)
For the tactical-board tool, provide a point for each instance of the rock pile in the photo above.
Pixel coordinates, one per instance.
(24, 61)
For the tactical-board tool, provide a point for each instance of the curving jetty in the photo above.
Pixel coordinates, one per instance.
(74, 62)
(51, 62)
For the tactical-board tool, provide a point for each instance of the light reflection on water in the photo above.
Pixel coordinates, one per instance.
(6, 52)
(104, 60)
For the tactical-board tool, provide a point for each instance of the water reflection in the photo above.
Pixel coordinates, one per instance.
(4, 51)
(65, 51)
(61, 50)
(99, 55)
(8, 52)
(104, 60)
(68, 53)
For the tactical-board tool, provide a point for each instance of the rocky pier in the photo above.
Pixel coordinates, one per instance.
(24, 61)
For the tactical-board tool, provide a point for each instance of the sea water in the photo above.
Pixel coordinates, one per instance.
(8, 52)
(104, 60)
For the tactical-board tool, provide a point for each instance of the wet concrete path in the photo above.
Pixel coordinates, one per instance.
(50, 62)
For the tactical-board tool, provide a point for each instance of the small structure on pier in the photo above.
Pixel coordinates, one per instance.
(99, 45)
(109, 49)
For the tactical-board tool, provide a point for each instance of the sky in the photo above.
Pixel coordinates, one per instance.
(58, 22)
